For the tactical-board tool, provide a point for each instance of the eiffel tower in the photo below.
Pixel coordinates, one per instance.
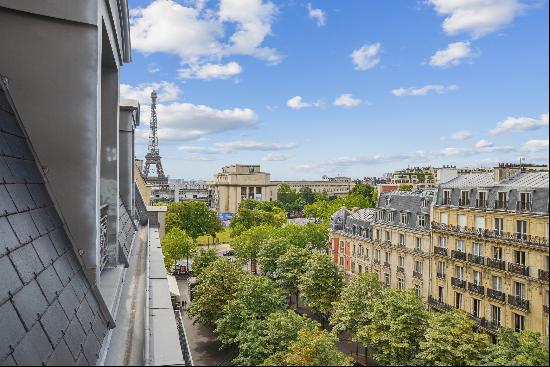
(153, 156)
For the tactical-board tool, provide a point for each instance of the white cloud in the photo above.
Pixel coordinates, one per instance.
(480, 147)
(153, 68)
(166, 91)
(536, 145)
(275, 157)
(476, 17)
(187, 121)
(461, 135)
(199, 35)
(422, 91)
(297, 103)
(211, 71)
(366, 57)
(347, 100)
(317, 14)
(519, 124)
(454, 54)
(240, 145)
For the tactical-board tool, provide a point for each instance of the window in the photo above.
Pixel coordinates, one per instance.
(400, 283)
(479, 222)
(477, 278)
(502, 201)
(460, 246)
(341, 261)
(446, 197)
(388, 199)
(443, 242)
(462, 220)
(441, 267)
(525, 200)
(251, 192)
(258, 190)
(458, 300)
(496, 282)
(519, 290)
(499, 225)
(417, 290)
(390, 217)
(404, 218)
(478, 249)
(380, 215)
(519, 256)
(441, 294)
(386, 280)
(419, 243)
(387, 257)
(401, 261)
(402, 239)
(352, 267)
(425, 203)
(497, 253)
(243, 192)
(482, 199)
(418, 266)
(378, 234)
(377, 255)
(476, 308)
(444, 218)
(465, 198)
(421, 219)
(388, 236)
(459, 272)
(360, 269)
(521, 229)
(519, 323)
(495, 314)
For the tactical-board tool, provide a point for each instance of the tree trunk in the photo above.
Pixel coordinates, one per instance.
(187, 263)
(253, 266)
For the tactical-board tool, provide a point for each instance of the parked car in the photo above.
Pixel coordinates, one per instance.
(228, 253)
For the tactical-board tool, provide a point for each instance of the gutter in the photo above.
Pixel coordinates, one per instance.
(146, 352)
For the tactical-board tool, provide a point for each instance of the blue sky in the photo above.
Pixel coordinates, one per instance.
(356, 88)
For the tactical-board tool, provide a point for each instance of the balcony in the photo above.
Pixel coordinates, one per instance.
(103, 213)
(544, 275)
(376, 262)
(545, 309)
(441, 251)
(464, 202)
(491, 326)
(523, 206)
(481, 204)
(475, 288)
(476, 259)
(439, 305)
(518, 269)
(440, 275)
(400, 269)
(496, 264)
(458, 255)
(458, 283)
(518, 302)
(386, 264)
(501, 204)
(496, 295)
(417, 274)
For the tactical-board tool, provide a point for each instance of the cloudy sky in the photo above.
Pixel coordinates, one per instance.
(353, 87)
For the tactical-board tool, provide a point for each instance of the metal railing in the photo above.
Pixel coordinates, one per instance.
(417, 274)
(476, 259)
(544, 275)
(440, 251)
(103, 215)
(496, 295)
(496, 263)
(440, 275)
(518, 302)
(400, 269)
(523, 206)
(458, 283)
(141, 209)
(475, 288)
(439, 305)
(519, 269)
(458, 255)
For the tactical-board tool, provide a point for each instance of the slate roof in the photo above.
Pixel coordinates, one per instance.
(409, 202)
(48, 314)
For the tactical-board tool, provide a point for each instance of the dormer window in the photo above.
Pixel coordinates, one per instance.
(421, 220)
(404, 219)
(481, 199)
(388, 199)
(390, 217)
(425, 203)
(447, 197)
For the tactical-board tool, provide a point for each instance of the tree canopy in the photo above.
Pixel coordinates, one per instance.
(194, 217)
(526, 348)
(290, 267)
(254, 213)
(201, 261)
(176, 245)
(288, 199)
(270, 252)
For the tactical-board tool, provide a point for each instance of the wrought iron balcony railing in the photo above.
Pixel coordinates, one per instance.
(386, 264)
(458, 283)
(439, 305)
(475, 288)
(519, 269)
(476, 259)
(544, 275)
(518, 302)
(545, 309)
(523, 206)
(491, 326)
(496, 263)
(440, 275)
(103, 215)
(440, 251)
(400, 269)
(458, 255)
(417, 274)
(496, 295)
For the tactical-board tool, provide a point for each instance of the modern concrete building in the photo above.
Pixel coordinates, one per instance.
(337, 186)
(74, 240)
(238, 182)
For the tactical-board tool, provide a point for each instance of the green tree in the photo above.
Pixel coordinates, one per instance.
(203, 260)
(255, 298)
(526, 348)
(177, 245)
(451, 340)
(321, 283)
(215, 289)
(270, 251)
(316, 236)
(262, 338)
(399, 321)
(194, 217)
(405, 187)
(288, 199)
(290, 267)
(248, 244)
(353, 310)
(322, 209)
(295, 235)
(307, 195)
(311, 348)
(254, 213)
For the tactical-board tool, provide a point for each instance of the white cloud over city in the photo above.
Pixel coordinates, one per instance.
(366, 57)
(298, 103)
(239, 145)
(317, 14)
(166, 91)
(520, 124)
(455, 54)
(210, 71)
(347, 100)
(423, 91)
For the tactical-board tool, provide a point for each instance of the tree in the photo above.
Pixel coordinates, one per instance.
(202, 260)
(290, 267)
(254, 213)
(295, 235)
(398, 323)
(321, 283)
(194, 217)
(322, 209)
(311, 348)
(316, 236)
(270, 251)
(175, 246)
(248, 244)
(288, 199)
(307, 195)
(526, 348)
(405, 187)
(353, 310)
(255, 298)
(215, 289)
(451, 340)
(262, 338)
